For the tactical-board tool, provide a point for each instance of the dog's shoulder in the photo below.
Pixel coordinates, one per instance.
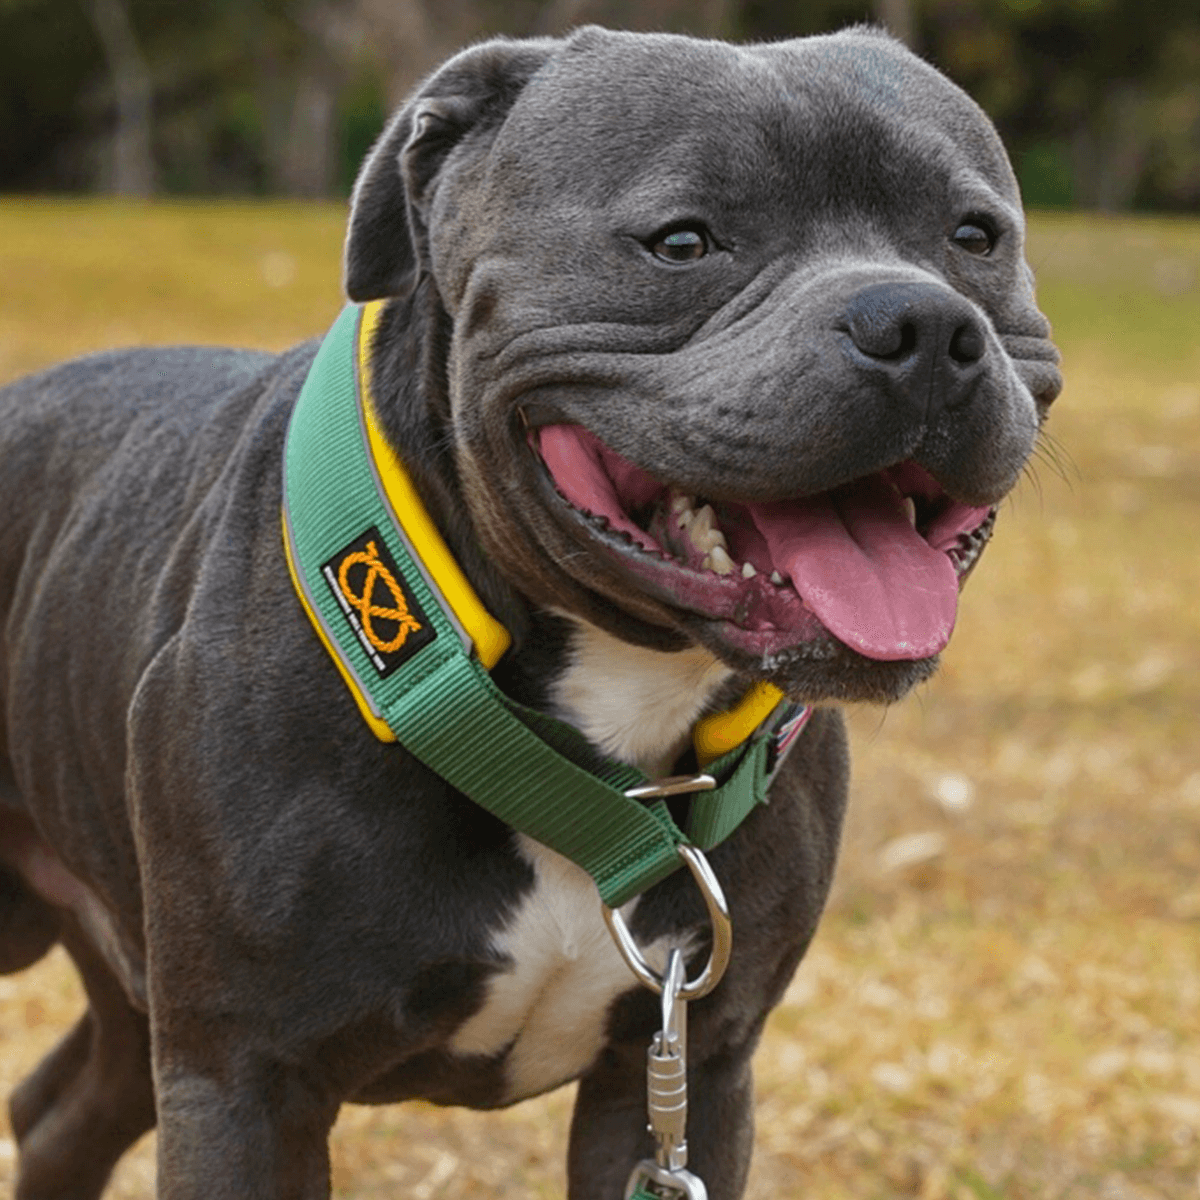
(117, 411)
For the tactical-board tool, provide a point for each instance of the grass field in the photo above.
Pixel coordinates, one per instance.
(1002, 1001)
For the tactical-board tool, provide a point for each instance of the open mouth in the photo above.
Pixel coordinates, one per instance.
(877, 563)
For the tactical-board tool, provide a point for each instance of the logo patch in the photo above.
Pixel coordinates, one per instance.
(370, 590)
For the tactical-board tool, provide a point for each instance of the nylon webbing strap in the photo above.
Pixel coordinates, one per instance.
(623, 845)
(715, 815)
(409, 662)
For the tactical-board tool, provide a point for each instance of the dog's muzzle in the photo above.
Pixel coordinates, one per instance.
(876, 563)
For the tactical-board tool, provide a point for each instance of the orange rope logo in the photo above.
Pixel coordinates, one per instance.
(364, 601)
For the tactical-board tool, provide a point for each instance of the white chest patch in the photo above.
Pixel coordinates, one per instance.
(636, 705)
(550, 1006)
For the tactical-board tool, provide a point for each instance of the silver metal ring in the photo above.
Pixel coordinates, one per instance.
(672, 785)
(722, 933)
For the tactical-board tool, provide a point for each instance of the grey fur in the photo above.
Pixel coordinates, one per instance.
(292, 914)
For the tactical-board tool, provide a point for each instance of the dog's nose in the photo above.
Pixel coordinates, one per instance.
(926, 338)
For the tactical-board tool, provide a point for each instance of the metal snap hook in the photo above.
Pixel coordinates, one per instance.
(666, 1175)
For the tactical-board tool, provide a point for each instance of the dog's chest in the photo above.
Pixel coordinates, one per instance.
(546, 1010)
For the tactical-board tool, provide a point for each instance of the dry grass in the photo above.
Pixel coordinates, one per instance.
(1001, 1002)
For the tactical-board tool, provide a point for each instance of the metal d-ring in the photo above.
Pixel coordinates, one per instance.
(714, 901)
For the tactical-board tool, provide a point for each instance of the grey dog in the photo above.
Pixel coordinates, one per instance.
(778, 294)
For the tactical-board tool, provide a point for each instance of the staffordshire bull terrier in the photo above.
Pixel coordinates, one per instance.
(707, 366)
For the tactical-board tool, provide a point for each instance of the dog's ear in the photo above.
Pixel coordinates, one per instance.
(386, 239)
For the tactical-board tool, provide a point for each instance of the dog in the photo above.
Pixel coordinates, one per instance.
(710, 365)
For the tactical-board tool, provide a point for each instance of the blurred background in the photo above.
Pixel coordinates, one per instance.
(1099, 100)
(1001, 1003)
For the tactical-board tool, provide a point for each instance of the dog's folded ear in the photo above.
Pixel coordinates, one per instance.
(386, 242)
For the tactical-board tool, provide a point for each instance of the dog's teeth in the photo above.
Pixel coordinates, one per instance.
(721, 562)
(682, 509)
(702, 523)
(703, 534)
(776, 578)
(910, 509)
(749, 570)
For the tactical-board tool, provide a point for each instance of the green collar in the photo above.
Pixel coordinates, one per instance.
(414, 645)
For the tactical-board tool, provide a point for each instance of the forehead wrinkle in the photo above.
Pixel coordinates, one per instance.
(635, 116)
(847, 78)
(677, 129)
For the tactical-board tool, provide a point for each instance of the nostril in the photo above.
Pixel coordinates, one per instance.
(966, 344)
(880, 333)
(908, 340)
(923, 342)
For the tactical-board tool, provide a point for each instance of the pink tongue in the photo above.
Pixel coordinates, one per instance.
(595, 478)
(852, 554)
(858, 563)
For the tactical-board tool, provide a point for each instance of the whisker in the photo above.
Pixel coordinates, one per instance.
(1029, 474)
(1057, 457)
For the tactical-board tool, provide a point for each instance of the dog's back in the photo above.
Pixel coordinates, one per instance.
(117, 468)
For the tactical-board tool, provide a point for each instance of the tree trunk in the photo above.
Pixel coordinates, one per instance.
(897, 16)
(310, 152)
(132, 158)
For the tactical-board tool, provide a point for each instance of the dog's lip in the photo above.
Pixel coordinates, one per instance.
(845, 565)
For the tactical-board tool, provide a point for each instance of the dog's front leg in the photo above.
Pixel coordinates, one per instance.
(249, 1129)
(609, 1134)
(608, 1127)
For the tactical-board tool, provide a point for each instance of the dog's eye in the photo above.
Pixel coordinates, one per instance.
(680, 245)
(974, 238)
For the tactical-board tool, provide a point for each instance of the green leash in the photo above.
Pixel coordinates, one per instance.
(393, 619)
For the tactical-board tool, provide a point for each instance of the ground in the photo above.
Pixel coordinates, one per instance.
(1002, 999)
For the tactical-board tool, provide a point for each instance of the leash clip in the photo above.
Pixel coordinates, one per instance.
(666, 1177)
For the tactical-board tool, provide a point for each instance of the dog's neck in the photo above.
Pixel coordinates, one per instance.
(634, 704)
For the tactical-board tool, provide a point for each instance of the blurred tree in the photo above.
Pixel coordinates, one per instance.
(133, 160)
(1099, 100)
(308, 159)
(410, 37)
(46, 52)
(1096, 97)
(898, 18)
(776, 19)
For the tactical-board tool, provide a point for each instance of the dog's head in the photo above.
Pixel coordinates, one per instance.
(742, 342)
